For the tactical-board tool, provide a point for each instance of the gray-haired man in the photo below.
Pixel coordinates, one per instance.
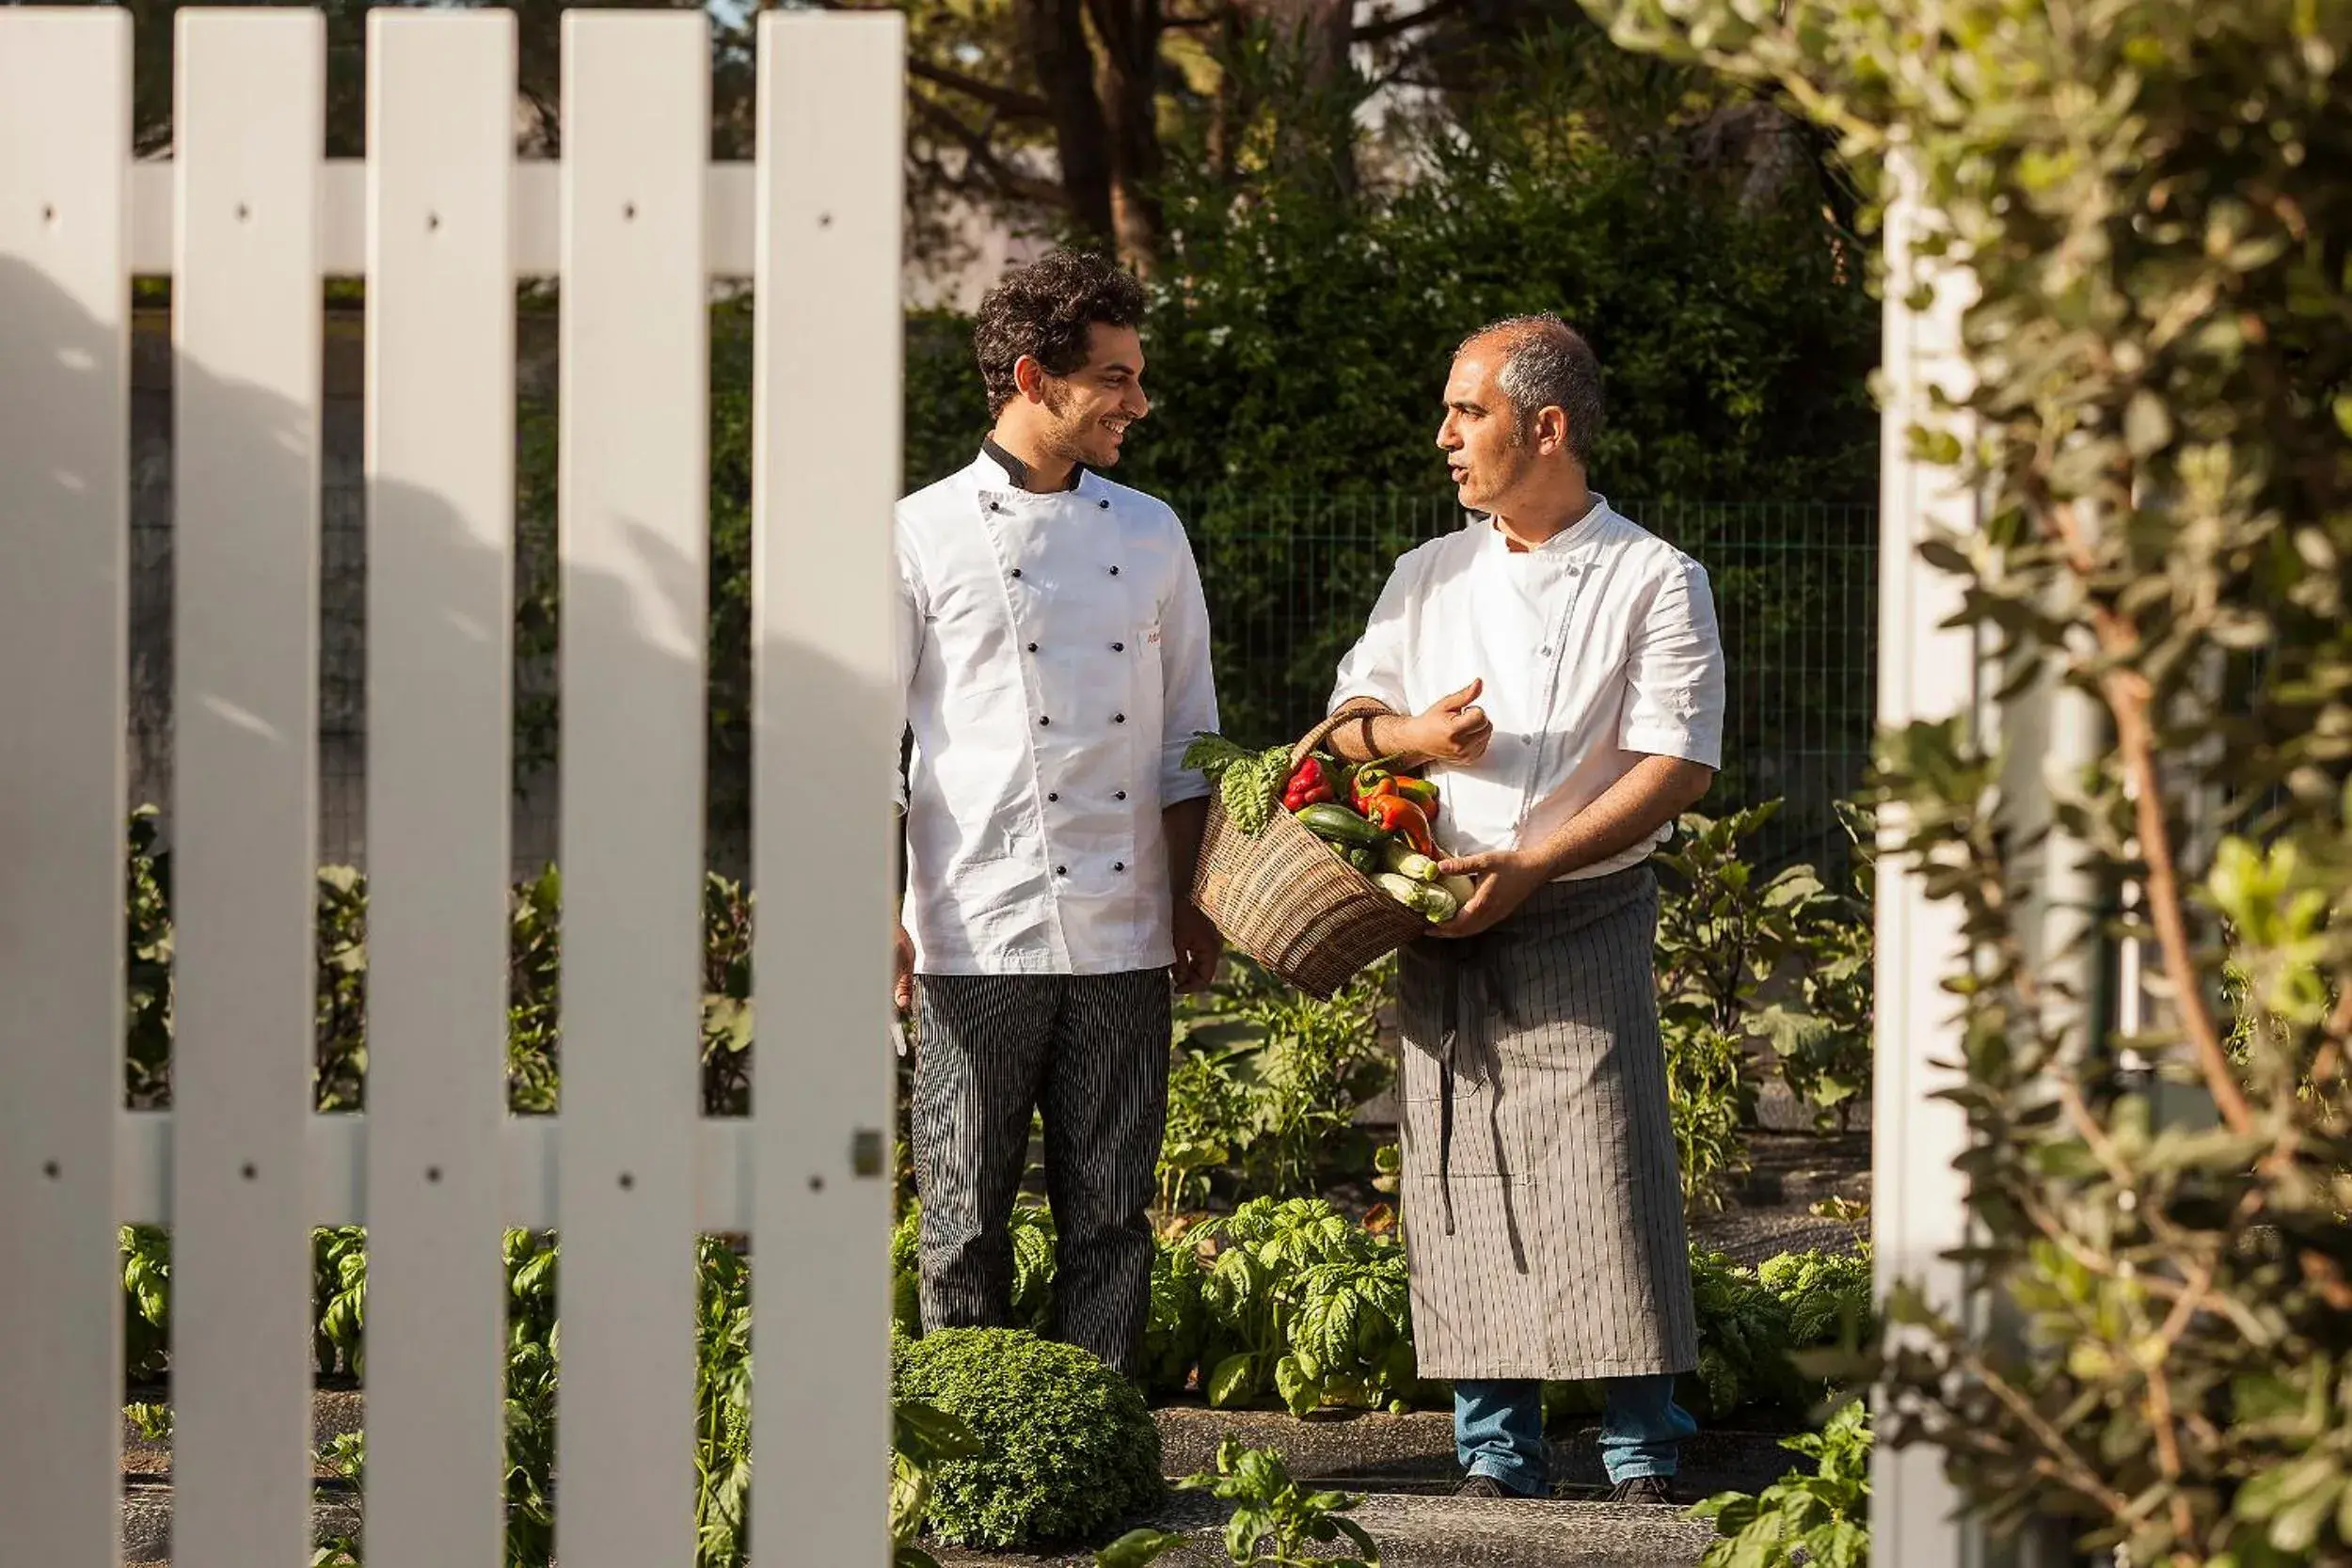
(1558, 669)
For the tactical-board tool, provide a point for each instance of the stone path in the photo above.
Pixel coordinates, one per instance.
(1402, 1466)
(1438, 1532)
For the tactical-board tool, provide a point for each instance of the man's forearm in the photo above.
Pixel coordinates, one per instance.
(1371, 735)
(1658, 790)
(1182, 825)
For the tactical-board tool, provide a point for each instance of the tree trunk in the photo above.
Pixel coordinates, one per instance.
(1053, 33)
(1128, 83)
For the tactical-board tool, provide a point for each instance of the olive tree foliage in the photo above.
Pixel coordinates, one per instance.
(2154, 198)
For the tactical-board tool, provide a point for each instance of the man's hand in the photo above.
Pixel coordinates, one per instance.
(1505, 880)
(1452, 730)
(1199, 946)
(902, 974)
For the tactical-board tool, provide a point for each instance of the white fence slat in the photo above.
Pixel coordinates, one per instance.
(727, 219)
(632, 491)
(527, 1165)
(65, 125)
(245, 326)
(826, 478)
(440, 440)
(1926, 672)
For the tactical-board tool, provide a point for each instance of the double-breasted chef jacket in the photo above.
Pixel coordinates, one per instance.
(1596, 649)
(1053, 651)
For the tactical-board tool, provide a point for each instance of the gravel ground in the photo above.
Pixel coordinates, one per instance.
(1439, 1532)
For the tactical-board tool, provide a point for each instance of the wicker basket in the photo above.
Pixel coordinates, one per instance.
(1284, 899)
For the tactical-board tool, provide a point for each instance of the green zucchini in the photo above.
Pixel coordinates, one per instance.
(1336, 824)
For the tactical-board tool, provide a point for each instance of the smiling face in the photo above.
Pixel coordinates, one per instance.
(1490, 454)
(1085, 415)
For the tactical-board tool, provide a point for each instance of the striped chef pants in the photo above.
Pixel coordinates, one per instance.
(1089, 1052)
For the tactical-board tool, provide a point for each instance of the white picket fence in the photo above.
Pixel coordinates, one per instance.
(440, 220)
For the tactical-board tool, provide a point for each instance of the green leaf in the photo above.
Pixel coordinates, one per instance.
(1137, 1548)
(2296, 1528)
(1235, 1381)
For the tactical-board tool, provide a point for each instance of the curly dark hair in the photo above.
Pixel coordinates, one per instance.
(1044, 310)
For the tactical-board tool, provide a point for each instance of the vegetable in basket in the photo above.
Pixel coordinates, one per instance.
(1251, 783)
(1428, 899)
(1413, 864)
(1397, 814)
(1372, 781)
(1309, 784)
(1335, 824)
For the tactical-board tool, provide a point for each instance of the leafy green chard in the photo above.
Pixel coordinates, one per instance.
(1249, 783)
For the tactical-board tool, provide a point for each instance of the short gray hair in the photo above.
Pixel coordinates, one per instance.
(1546, 364)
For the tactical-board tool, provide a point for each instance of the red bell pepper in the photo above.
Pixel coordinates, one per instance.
(1400, 815)
(1308, 786)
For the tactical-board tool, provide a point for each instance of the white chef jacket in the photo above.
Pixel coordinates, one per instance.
(1053, 658)
(1597, 648)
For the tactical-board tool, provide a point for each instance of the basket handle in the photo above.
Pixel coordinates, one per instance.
(1349, 711)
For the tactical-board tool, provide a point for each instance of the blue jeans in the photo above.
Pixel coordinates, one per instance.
(1499, 1429)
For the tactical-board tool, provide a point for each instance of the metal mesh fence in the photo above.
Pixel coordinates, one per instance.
(1290, 581)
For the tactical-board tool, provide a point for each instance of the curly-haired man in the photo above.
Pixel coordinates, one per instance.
(1054, 649)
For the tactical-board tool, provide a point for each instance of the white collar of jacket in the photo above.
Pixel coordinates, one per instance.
(1053, 654)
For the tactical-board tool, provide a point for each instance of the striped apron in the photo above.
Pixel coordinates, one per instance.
(1542, 1203)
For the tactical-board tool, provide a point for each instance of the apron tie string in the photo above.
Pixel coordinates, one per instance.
(1469, 995)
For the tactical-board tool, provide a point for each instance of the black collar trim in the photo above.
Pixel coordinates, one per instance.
(1017, 470)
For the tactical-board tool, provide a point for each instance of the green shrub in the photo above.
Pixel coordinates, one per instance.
(1822, 1043)
(1744, 1339)
(1275, 1524)
(2144, 208)
(1707, 1093)
(1067, 1445)
(1264, 1086)
(1820, 1516)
